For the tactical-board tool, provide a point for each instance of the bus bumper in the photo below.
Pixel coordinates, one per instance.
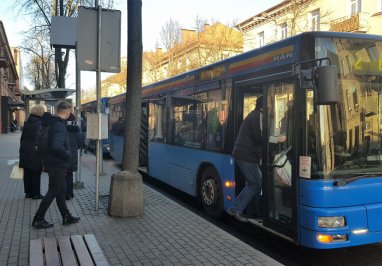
(358, 228)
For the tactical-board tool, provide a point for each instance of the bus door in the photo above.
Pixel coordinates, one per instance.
(246, 97)
(278, 200)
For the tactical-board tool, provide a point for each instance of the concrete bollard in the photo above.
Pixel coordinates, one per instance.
(126, 194)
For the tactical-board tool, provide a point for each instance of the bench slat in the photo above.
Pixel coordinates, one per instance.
(36, 256)
(95, 250)
(51, 253)
(67, 254)
(81, 250)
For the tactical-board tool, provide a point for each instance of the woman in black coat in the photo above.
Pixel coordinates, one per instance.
(30, 160)
(75, 140)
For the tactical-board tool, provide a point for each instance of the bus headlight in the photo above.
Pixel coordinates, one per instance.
(331, 222)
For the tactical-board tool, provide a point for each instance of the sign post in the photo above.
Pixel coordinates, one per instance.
(78, 184)
(99, 50)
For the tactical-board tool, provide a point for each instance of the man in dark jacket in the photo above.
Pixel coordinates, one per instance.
(75, 141)
(30, 160)
(247, 153)
(56, 162)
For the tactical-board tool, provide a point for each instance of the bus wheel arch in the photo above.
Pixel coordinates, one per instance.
(210, 191)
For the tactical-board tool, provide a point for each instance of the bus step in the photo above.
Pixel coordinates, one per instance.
(258, 221)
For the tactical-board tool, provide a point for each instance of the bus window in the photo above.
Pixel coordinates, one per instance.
(249, 103)
(187, 116)
(214, 117)
(157, 121)
(280, 132)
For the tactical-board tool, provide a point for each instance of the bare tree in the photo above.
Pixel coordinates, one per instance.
(217, 41)
(39, 13)
(200, 23)
(88, 95)
(40, 69)
(170, 35)
(203, 45)
(295, 18)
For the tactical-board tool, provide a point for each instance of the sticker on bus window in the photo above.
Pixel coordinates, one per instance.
(305, 166)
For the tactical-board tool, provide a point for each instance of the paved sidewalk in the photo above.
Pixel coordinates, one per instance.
(167, 234)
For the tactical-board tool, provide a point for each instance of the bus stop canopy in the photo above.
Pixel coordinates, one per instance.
(47, 94)
(47, 97)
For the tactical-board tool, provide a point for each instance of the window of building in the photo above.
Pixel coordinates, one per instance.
(355, 7)
(355, 98)
(283, 31)
(260, 38)
(314, 20)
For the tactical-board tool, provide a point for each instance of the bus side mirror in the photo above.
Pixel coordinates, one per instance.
(325, 79)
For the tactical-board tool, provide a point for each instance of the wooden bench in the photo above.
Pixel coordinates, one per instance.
(65, 250)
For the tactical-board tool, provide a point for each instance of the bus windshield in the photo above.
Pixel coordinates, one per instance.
(344, 140)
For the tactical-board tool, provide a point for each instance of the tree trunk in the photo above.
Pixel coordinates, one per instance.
(59, 63)
(134, 86)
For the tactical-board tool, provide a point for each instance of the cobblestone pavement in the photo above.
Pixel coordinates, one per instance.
(167, 233)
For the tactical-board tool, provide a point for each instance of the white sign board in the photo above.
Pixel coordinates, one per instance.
(63, 32)
(97, 126)
(305, 166)
(110, 39)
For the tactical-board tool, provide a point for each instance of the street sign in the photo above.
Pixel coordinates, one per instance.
(63, 32)
(110, 39)
(97, 126)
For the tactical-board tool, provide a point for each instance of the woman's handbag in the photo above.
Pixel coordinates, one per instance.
(17, 172)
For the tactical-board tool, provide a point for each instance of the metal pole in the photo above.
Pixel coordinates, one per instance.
(78, 113)
(101, 164)
(98, 152)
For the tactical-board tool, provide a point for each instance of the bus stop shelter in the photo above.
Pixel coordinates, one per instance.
(47, 97)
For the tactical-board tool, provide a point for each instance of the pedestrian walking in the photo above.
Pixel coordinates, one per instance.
(56, 162)
(75, 140)
(248, 153)
(30, 160)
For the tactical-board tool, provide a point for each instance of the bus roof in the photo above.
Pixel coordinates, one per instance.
(279, 53)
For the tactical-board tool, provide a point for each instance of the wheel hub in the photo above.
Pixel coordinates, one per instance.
(209, 192)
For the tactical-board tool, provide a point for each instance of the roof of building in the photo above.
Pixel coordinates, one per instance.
(267, 14)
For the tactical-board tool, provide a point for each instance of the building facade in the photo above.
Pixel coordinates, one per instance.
(214, 43)
(9, 83)
(292, 17)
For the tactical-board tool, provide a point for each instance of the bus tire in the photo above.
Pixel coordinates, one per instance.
(211, 194)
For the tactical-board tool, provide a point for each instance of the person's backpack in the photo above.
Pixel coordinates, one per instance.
(42, 142)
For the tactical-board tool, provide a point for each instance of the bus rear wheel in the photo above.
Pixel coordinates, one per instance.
(211, 194)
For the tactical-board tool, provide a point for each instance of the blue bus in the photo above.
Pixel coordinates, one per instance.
(322, 186)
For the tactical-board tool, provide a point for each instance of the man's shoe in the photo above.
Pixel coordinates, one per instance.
(38, 196)
(237, 214)
(40, 224)
(27, 196)
(67, 197)
(69, 219)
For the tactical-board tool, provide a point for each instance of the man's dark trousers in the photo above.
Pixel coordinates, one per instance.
(57, 188)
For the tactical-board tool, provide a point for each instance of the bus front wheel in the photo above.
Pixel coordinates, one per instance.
(211, 193)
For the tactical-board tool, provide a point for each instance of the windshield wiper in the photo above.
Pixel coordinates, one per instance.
(344, 182)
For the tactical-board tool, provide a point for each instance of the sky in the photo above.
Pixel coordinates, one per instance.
(155, 13)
